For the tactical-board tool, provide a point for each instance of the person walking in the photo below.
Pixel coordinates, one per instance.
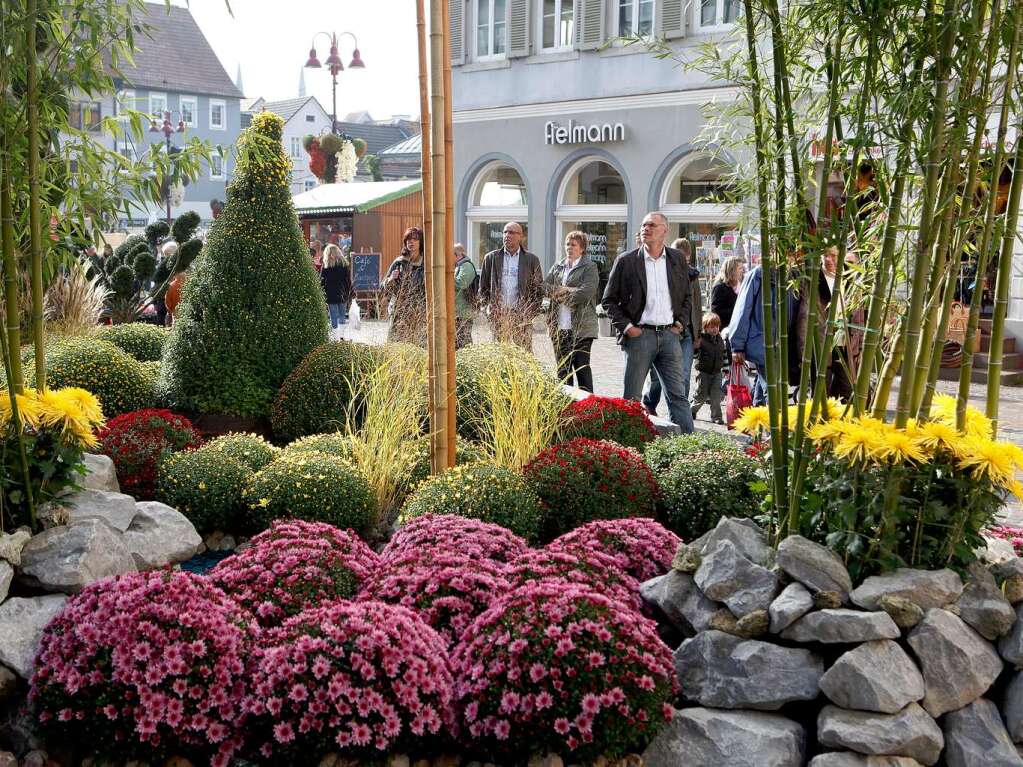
(466, 286)
(511, 289)
(405, 285)
(710, 359)
(690, 337)
(572, 285)
(336, 279)
(726, 288)
(647, 298)
(746, 331)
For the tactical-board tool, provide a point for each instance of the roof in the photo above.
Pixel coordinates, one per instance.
(411, 145)
(174, 55)
(353, 197)
(288, 108)
(377, 137)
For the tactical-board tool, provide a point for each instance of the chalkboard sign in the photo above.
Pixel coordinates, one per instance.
(366, 271)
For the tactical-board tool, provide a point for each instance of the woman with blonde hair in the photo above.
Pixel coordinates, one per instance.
(726, 288)
(336, 279)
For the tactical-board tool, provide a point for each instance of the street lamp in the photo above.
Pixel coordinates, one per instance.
(334, 62)
(168, 130)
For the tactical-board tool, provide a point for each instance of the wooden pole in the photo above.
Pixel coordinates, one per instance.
(449, 238)
(438, 274)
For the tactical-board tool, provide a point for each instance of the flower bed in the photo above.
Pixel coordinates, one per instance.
(642, 548)
(590, 568)
(612, 418)
(451, 533)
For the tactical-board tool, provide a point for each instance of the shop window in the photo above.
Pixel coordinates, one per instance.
(718, 13)
(558, 24)
(85, 115)
(596, 183)
(490, 28)
(635, 17)
(498, 195)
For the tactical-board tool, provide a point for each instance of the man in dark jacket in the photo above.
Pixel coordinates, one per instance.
(648, 300)
(511, 289)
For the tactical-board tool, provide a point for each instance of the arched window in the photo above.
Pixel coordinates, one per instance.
(698, 199)
(498, 195)
(594, 200)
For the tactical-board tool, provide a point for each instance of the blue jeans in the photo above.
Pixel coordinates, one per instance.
(759, 389)
(661, 352)
(338, 314)
(652, 395)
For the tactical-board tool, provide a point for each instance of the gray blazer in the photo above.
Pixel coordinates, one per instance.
(582, 302)
(530, 281)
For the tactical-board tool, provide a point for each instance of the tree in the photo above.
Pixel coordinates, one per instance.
(252, 307)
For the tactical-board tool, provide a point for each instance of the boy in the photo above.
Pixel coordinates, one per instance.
(710, 359)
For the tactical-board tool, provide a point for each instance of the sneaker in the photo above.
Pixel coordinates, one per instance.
(718, 421)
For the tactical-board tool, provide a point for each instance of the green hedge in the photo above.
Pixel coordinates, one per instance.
(664, 451)
(141, 340)
(700, 488)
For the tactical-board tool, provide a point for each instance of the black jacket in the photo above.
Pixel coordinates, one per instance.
(722, 302)
(710, 357)
(625, 294)
(337, 284)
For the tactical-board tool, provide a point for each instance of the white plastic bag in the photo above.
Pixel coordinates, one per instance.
(354, 316)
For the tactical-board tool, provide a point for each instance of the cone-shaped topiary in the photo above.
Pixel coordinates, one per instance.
(252, 306)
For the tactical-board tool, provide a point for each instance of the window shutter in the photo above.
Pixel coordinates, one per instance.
(518, 28)
(589, 24)
(456, 31)
(671, 18)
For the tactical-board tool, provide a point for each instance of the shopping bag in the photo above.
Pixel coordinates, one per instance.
(354, 316)
(738, 396)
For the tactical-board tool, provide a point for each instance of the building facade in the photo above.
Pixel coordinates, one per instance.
(559, 127)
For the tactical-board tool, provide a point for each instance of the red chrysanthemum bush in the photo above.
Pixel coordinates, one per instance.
(555, 667)
(585, 479)
(359, 678)
(624, 421)
(641, 547)
(447, 589)
(590, 568)
(294, 566)
(137, 441)
(145, 665)
(471, 538)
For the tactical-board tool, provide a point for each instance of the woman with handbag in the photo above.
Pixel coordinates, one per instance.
(571, 285)
(336, 279)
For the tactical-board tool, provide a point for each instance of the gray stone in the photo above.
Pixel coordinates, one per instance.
(815, 566)
(11, 545)
(926, 588)
(792, 604)
(983, 606)
(69, 558)
(957, 664)
(100, 474)
(975, 735)
(703, 737)
(995, 551)
(841, 626)
(687, 558)
(875, 676)
(849, 759)
(911, 732)
(1012, 707)
(727, 576)
(747, 536)
(1011, 645)
(906, 614)
(682, 603)
(160, 536)
(724, 671)
(116, 509)
(8, 683)
(1008, 567)
(1013, 588)
(21, 627)
(6, 576)
(227, 543)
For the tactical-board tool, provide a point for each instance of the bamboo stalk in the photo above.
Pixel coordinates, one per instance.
(15, 378)
(35, 216)
(449, 237)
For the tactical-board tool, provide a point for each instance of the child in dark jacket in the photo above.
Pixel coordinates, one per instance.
(710, 359)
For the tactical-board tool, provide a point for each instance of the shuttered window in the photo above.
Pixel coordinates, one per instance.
(518, 28)
(456, 30)
(671, 18)
(590, 26)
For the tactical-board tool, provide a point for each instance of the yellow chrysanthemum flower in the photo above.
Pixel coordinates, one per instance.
(895, 446)
(29, 411)
(88, 403)
(943, 409)
(1016, 488)
(753, 420)
(938, 436)
(854, 443)
(986, 458)
(827, 431)
(836, 409)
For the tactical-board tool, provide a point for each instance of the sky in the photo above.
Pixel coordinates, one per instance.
(271, 38)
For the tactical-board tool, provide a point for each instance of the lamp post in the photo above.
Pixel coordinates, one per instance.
(333, 61)
(168, 130)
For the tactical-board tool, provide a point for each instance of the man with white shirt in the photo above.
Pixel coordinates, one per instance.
(511, 289)
(648, 300)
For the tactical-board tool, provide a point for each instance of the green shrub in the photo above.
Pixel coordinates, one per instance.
(206, 486)
(316, 396)
(465, 452)
(313, 487)
(141, 340)
(663, 451)
(252, 306)
(119, 381)
(480, 491)
(700, 488)
(248, 449)
(151, 370)
(335, 444)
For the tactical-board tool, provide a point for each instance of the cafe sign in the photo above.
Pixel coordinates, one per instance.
(575, 133)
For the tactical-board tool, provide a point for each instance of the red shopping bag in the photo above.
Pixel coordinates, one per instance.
(737, 397)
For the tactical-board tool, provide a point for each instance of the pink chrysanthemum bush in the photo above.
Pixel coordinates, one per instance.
(1013, 535)
(641, 547)
(590, 568)
(359, 678)
(556, 667)
(145, 665)
(447, 589)
(293, 566)
(472, 538)
(586, 479)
